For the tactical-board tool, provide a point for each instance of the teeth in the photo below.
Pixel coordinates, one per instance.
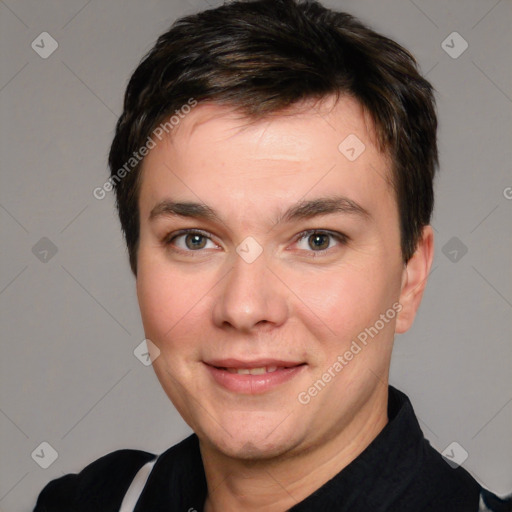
(252, 371)
(257, 371)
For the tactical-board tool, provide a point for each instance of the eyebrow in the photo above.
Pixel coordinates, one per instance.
(300, 211)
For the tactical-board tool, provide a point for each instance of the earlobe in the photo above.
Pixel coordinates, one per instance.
(414, 280)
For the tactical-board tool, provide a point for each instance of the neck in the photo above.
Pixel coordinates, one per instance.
(274, 485)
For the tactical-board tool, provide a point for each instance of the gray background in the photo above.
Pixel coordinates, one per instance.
(70, 320)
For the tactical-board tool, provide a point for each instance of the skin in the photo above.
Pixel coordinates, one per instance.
(268, 451)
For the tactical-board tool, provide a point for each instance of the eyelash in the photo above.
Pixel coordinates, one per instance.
(340, 237)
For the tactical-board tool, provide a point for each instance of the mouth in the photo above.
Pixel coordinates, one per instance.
(255, 367)
(254, 371)
(253, 377)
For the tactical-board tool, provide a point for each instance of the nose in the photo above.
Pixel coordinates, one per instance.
(251, 297)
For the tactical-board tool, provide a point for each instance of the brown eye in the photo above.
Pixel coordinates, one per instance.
(319, 241)
(189, 241)
(195, 241)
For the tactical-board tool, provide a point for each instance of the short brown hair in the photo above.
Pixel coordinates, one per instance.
(262, 56)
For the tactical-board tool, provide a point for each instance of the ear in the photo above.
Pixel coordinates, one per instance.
(414, 280)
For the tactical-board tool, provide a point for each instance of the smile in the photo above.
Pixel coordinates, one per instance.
(254, 377)
(253, 371)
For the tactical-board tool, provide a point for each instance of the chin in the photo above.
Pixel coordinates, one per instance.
(253, 450)
(256, 442)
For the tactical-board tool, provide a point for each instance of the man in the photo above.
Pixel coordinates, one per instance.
(274, 169)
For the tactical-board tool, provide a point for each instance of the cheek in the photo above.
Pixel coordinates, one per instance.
(171, 302)
(343, 301)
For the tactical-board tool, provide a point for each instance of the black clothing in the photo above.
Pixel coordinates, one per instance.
(398, 472)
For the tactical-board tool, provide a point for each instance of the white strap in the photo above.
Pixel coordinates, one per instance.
(137, 486)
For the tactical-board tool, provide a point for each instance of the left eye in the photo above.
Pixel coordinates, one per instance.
(320, 241)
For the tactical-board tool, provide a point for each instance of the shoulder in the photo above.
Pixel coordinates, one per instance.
(432, 482)
(489, 502)
(99, 486)
(452, 488)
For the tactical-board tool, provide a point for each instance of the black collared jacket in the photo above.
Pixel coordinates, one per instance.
(398, 472)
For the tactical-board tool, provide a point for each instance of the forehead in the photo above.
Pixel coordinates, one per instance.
(299, 131)
(314, 148)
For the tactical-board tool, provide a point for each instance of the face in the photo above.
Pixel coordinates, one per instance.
(265, 254)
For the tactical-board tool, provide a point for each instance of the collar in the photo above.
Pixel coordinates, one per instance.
(378, 477)
(382, 472)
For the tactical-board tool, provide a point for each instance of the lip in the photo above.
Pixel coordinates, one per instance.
(255, 363)
(253, 384)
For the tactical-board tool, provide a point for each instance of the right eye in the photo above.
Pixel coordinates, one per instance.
(189, 240)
